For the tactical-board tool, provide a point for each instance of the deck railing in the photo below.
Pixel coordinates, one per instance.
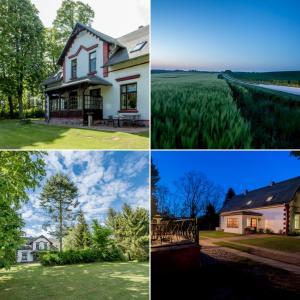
(175, 230)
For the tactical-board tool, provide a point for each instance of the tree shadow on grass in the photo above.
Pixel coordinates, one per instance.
(217, 280)
(13, 135)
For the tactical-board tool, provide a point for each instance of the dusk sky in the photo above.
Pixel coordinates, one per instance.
(241, 35)
(104, 179)
(237, 169)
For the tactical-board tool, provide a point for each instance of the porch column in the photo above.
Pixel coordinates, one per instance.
(47, 108)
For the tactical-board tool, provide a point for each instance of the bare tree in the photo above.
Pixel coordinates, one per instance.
(196, 191)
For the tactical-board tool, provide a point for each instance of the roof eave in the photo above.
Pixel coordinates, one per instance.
(126, 60)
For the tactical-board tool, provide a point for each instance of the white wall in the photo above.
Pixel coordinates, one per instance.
(272, 218)
(41, 241)
(86, 39)
(29, 255)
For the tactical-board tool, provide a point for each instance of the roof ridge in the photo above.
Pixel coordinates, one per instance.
(268, 186)
(140, 28)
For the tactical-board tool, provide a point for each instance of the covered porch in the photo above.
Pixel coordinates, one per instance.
(76, 102)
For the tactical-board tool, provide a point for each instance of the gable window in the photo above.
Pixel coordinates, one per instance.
(297, 221)
(232, 223)
(129, 96)
(139, 46)
(92, 62)
(74, 68)
(37, 246)
(45, 246)
(24, 256)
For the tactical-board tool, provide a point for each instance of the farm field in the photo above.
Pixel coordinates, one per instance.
(82, 281)
(198, 110)
(289, 78)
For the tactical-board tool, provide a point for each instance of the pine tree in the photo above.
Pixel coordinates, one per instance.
(154, 181)
(82, 235)
(230, 194)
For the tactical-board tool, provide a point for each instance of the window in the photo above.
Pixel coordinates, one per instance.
(128, 96)
(139, 46)
(45, 246)
(74, 68)
(249, 202)
(232, 223)
(253, 222)
(94, 101)
(92, 62)
(297, 221)
(37, 246)
(24, 256)
(73, 100)
(269, 198)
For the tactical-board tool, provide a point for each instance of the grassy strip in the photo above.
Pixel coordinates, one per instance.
(234, 246)
(215, 234)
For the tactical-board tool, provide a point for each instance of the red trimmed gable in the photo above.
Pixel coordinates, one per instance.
(105, 58)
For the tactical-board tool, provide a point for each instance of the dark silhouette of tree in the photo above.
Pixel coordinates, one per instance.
(154, 181)
(229, 195)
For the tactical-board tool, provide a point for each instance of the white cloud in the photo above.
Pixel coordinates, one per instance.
(113, 17)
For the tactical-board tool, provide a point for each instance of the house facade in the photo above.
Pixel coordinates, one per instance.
(274, 208)
(100, 76)
(27, 253)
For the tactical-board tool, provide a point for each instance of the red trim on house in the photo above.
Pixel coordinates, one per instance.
(105, 58)
(128, 77)
(287, 211)
(82, 47)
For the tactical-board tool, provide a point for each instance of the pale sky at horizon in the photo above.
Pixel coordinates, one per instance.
(130, 14)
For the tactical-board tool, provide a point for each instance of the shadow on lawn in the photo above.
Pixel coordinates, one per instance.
(13, 135)
(217, 280)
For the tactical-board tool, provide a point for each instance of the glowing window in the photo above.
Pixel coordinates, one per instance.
(249, 202)
(269, 198)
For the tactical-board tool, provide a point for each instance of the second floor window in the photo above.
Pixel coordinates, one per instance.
(74, 68)
(92, 62)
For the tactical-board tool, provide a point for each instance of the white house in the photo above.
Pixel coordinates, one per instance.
(27, 253)
(275, 207)
(102, 76)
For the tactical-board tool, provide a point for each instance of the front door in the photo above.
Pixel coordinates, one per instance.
(93, 105)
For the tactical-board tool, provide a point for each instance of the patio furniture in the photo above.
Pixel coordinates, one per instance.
(109, 120)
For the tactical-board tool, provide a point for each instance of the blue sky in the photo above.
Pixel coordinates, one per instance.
(104, 179)
(241, 35)
(237, 169)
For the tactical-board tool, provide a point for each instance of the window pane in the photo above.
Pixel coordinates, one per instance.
(123, 89)
(93, 55)
(297, 221)
(123, 101)
(131, 101)
(131, 88)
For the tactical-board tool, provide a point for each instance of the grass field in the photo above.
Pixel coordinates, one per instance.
(193, 110)
(83, 281)
(288, 244)
(215, 234)
(198, 110)
(38, 136)
(289, 78)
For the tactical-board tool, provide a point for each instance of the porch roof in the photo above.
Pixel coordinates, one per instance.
(90, 79)
(243, 213)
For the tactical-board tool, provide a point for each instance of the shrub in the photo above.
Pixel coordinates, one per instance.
(80, 256)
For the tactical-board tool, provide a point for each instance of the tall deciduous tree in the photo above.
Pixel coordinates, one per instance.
(69, 13)
(101, 236)
(19, 171)
(22, 43)
(58, 199)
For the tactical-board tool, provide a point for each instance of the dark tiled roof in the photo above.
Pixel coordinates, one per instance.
(281, 193)
(57, 77)
(130, 40)
(79, 27)
(242, 212)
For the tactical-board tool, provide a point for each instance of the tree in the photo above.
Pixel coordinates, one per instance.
(162, 197)
(82, 233)
(101, 236)
(295, 154)
(154, 181)
(130, 229)
(196, 192)
(229, 195)
(67, 16)
(58, 199)
(19, 172)
(211, 217)
(22, 43)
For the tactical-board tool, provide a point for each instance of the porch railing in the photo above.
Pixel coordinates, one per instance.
(174, 230)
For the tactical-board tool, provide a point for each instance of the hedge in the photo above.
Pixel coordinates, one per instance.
(80, 256)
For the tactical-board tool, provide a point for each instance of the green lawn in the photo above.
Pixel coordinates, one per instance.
(234, 246)
(82, 281)
(280, 243)
(215, 234)
(38, 136)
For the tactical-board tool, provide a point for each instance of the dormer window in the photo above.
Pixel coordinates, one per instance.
(74, 69)
(92, 62)
(139, 46)
(269, 198)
